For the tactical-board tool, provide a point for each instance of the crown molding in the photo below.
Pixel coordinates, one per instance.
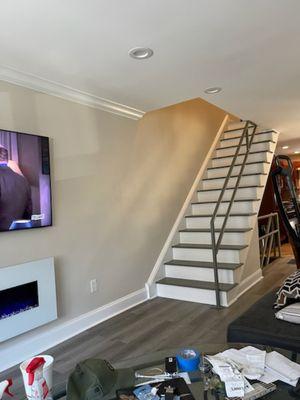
(34, 82)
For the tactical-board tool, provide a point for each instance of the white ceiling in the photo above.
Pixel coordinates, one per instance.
(293, 146)
(248, 47)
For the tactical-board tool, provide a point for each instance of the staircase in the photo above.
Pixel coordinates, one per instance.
(227, 202)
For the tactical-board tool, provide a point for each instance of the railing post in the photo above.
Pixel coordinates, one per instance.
(215, 262)
(272, 233)
(278, 235)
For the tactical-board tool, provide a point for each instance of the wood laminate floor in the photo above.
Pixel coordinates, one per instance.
(154, 325)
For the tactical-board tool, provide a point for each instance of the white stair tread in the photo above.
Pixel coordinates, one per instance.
(240, 154)
(221, 215)
(238, 165)
(230, 230)
(250, 126)
(238, 137)
(243, 145)
(231, 187)
(203, 264)
(225, 201)
(233, 176)
(209, 246)
(189, 283)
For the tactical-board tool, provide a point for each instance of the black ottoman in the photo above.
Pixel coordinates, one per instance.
(258, 325)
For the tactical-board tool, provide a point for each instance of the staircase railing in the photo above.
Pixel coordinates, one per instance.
(270, 239)
(246, 140)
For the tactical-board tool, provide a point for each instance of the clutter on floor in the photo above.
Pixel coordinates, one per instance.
(4, 388)
(237, 367)
(37, 377)
(248, 373)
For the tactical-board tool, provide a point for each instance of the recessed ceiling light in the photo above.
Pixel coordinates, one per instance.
(285, 147)
(213, 90)
(141, 53)
(296, 152)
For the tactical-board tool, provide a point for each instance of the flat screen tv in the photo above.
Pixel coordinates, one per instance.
(25, 185)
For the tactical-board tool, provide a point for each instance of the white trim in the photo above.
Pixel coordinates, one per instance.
(181, 214)
(39, 342)
(247, 284)
(37, 83)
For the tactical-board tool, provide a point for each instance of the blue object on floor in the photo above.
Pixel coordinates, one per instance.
(188, 360)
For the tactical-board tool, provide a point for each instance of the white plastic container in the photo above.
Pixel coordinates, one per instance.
(47, 373)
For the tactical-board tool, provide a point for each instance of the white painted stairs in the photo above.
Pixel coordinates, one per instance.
(189, 274)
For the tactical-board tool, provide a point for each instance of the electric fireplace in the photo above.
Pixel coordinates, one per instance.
(18, 299)
(27, 297)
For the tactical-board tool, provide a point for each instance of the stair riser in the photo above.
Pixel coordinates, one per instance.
(232, 222)
(205, 237)
(251, 158)
(249, 169)
(229, 256)
(242, 193)
(199, 274)
(255, 147)
(245, 180)
(257, 138)
(208, 208)
(202, 296)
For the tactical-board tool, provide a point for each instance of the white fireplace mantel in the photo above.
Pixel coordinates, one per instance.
(41, 271)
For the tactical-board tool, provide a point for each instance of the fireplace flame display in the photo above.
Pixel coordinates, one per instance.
(18, 299)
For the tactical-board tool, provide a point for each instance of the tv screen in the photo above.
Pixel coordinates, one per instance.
(25, 186)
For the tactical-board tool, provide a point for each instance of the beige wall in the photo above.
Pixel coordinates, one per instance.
(118, 186)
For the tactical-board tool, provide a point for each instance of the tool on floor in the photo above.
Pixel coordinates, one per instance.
(4, 388)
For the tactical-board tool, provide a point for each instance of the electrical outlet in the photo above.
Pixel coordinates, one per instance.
(93, 285)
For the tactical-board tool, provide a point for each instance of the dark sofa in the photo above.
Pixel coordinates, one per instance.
(258, 325)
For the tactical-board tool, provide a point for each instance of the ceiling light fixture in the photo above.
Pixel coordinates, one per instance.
(213, 90)
(285, 147)
(296, 152)
(141, 53)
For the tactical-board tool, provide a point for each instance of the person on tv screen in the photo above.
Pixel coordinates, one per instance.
(15, 194)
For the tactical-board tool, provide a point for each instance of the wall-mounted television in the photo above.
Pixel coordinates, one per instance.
(25, 184)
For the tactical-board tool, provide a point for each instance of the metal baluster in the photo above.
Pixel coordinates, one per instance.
(217, 243)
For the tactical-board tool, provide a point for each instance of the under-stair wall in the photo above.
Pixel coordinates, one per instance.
(184, 269)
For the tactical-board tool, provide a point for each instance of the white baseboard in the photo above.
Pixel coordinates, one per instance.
(247, 284)
(39, 342)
